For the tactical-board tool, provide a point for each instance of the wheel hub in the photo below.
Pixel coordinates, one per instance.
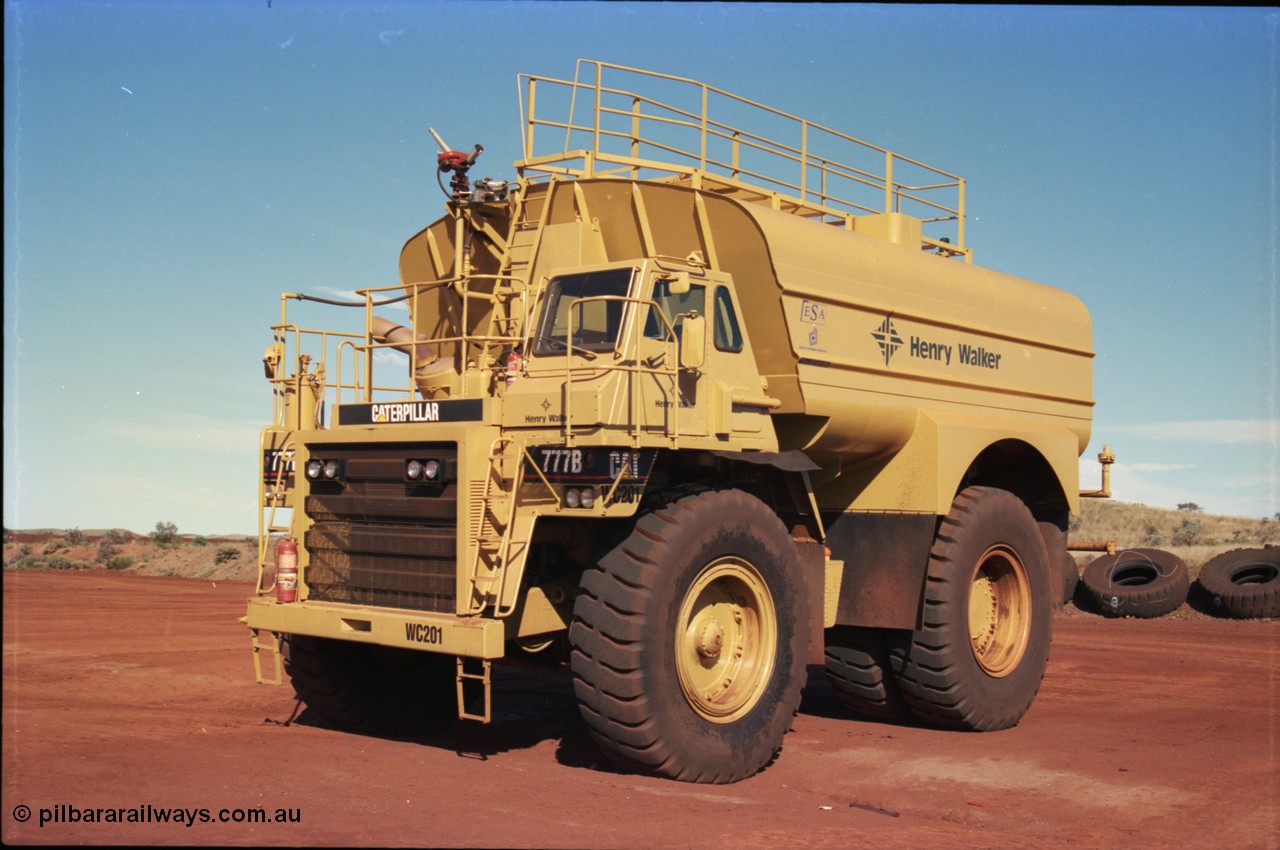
(726, 640)
(999, 611)
(711, 640)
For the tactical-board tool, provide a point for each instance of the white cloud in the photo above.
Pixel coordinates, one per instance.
(1221, 490)
(1217, 431)
(188, 431)
(1157, 467)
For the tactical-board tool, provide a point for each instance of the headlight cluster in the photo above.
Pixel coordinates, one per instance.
(423, 470)
(318, 469)
(575, 498)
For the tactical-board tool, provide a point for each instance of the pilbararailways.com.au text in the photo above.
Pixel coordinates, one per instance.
(65, 813)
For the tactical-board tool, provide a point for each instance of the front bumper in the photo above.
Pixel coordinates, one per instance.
(447, 634)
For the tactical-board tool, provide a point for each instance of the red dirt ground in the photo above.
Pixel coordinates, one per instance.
(124, 691)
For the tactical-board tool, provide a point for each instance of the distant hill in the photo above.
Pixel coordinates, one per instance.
(229, 558)
(1190, 534)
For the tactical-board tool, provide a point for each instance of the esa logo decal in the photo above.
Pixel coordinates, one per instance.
(814, 315)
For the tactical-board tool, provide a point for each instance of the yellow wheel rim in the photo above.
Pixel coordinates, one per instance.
(726, 640)
(999, 611)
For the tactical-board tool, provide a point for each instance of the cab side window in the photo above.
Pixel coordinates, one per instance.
(726, 334)
(673, 306)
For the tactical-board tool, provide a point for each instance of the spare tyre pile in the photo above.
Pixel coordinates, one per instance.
(1146, 583)
(1244, 583)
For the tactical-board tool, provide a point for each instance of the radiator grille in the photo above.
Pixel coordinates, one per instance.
(379, 540)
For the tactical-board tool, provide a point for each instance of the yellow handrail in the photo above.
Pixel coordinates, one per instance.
(821, 173)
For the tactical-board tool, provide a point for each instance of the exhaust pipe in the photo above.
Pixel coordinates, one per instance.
(429, 370)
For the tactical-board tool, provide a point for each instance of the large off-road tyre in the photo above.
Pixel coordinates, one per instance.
(689, 639)
(858, 668)
(1244, 583)
(1068, 576)
(976, 660)
(1143, 583)
(1061, 564)
(372, 689)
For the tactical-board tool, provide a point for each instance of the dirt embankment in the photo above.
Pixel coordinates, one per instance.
(190, 556)
(126, 696)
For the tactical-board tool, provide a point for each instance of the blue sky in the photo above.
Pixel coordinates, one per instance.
(170, 168)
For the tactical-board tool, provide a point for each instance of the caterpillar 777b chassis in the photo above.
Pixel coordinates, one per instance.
(682, 398)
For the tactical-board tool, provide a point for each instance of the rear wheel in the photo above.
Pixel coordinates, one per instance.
(858, 668)
(689, 640)
(1069, 574)
(375, 689)
(976, 661)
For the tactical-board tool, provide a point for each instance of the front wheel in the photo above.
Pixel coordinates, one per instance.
(373, 689)
(977, 658)
(689, 640)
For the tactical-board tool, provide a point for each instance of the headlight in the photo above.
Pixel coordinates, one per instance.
(332, 469)
(419, 469)
(314, 468)
(571, 497)
(588, 497)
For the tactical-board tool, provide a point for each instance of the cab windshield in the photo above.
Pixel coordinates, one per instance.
(596, 324)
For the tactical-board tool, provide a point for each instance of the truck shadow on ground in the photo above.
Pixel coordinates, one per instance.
(534, 706)
(529, 707)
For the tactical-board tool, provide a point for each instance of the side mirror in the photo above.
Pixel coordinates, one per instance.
(693, 341)
(678, 284)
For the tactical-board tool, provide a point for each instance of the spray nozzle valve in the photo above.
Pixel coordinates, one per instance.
(457, 163)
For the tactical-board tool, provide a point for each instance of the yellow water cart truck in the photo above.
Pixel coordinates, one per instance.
(704, 387)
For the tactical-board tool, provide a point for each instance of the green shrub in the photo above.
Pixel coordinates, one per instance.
(1188, 534)
(119, 562)
(76, 537)
(119, 535)
(106, 551)
(200, 540)
(58, 564)
(226, 553)
(165, 533)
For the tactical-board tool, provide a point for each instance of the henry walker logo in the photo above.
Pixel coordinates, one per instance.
(886, 336)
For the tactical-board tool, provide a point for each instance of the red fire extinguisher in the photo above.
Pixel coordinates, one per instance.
(287, 570)
(513, 366)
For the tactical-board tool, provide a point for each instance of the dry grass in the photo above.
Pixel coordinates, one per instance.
(189, 556)
(1193, 536)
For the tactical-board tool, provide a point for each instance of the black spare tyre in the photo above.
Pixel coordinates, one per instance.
(1244, 583)
(1143, 583)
